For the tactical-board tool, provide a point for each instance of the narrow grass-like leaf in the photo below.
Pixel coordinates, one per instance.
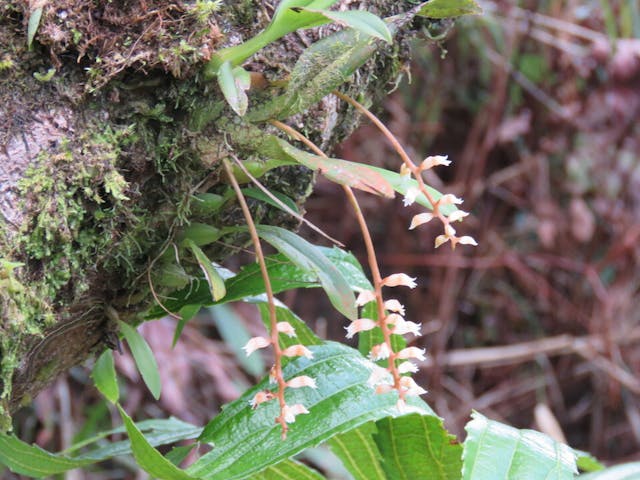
(309, 257)
(359, 452)
(143, 356)
(147, 457)
(32, 461)
(187, 312)
(495, 451)
(260, 195)
(104, 376)
(449, 8)
(33, 24)
(246, 441)
(416, 444)
(215, 281)
(288, 470)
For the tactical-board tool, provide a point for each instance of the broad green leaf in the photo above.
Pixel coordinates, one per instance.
(234, 82)
(626, 471)
(449, 8)
(365, 22)
(309, 257)
(207, 203)
(104, 376)
(495, 451)
(416, 444)
(187, 312)
(143, 356)
(401, 185)
(236, 336)
(178, 454)
(147, 457)
(245, 440)
(32, 461)
(34, 23)
(215, 281)
(260, 195)
(288, 470)
(353, 174)
(359, 452)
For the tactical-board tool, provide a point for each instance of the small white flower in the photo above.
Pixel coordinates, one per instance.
(297, 351)
(435, 160)
(290, 411)
(449, 231)
(403, 327)
(411, 387)
(449, 199)
(466, 240)
(364, 297)
(420, 219)
(255, 343)
(399, 279)
(457, 215)
(394, 305)
(410, 196)
(383, 388)
(260, 397)
(360, 325)
(380, 352)
(441, 239)
(379, 376)
(407, 367)
(302, 381)
(286, 328)
(412, 352)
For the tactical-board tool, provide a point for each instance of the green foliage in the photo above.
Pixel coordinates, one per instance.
(104, 377)
(449, 8)
(143, 356)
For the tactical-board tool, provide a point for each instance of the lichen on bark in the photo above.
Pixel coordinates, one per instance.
(101, 163)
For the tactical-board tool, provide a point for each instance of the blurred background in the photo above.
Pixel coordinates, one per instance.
(538, 105)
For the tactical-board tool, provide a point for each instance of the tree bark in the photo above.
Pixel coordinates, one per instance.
(107, 131)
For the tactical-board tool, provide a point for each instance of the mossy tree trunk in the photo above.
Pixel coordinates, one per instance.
(107, 131)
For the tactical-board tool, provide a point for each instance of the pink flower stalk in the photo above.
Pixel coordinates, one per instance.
(290, 411)
(399, 279)
(297, 351)
(256, 343)
(360, 325)
(302, 381)
(286, 328)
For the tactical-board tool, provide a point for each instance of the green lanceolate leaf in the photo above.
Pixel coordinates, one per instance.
(147, 457)
(495, 451)
(215, 281)
(34, 23)
(416, 444)
(401, 184)
(365, 22)
(246, 441)
(352, 174)
(187, 312)
(449, 8)
(32, 461)
(104, 376)
(260, 195)
(201, 234)
(309, 257)
(359, 452)
(288, 470)
(234, 82)
(143, 356)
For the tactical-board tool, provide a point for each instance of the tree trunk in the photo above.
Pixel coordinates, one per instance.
(107, 131)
